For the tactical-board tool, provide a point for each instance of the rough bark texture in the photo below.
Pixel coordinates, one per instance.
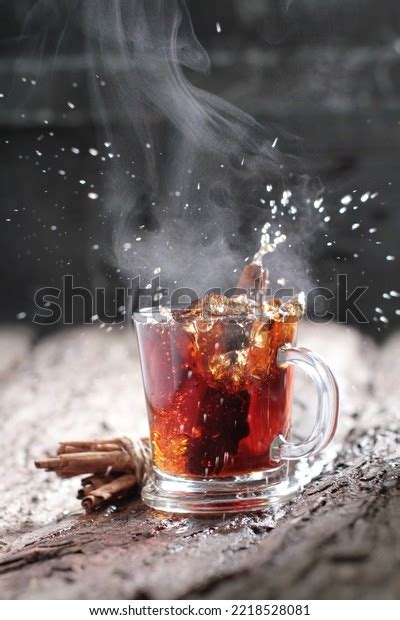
(339, 539)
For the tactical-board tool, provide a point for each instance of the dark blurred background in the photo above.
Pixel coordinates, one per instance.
(327, 72)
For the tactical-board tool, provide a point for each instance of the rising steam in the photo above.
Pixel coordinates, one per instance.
(192, 182)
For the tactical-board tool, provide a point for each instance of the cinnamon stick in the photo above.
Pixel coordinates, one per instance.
(253, 276)
(90, 483)
(117, 488)
(74, 464)
(119, 455)
(96, 445)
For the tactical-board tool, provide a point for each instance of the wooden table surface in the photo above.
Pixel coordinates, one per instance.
(339, 539)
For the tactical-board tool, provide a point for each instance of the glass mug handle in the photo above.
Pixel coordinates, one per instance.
(327, 408)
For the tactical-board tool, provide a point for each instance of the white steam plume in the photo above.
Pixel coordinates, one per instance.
(200, 165)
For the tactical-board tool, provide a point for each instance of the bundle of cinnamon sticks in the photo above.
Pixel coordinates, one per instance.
(116, 467)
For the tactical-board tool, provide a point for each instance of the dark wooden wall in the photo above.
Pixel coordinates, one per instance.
(328, 74)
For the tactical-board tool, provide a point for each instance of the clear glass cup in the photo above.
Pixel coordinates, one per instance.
(219, 393)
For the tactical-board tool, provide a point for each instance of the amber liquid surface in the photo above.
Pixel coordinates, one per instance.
(215, 395)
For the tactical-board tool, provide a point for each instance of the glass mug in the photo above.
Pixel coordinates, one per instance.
(218, 393)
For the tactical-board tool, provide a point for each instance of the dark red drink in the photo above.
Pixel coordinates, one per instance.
(215, 395)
